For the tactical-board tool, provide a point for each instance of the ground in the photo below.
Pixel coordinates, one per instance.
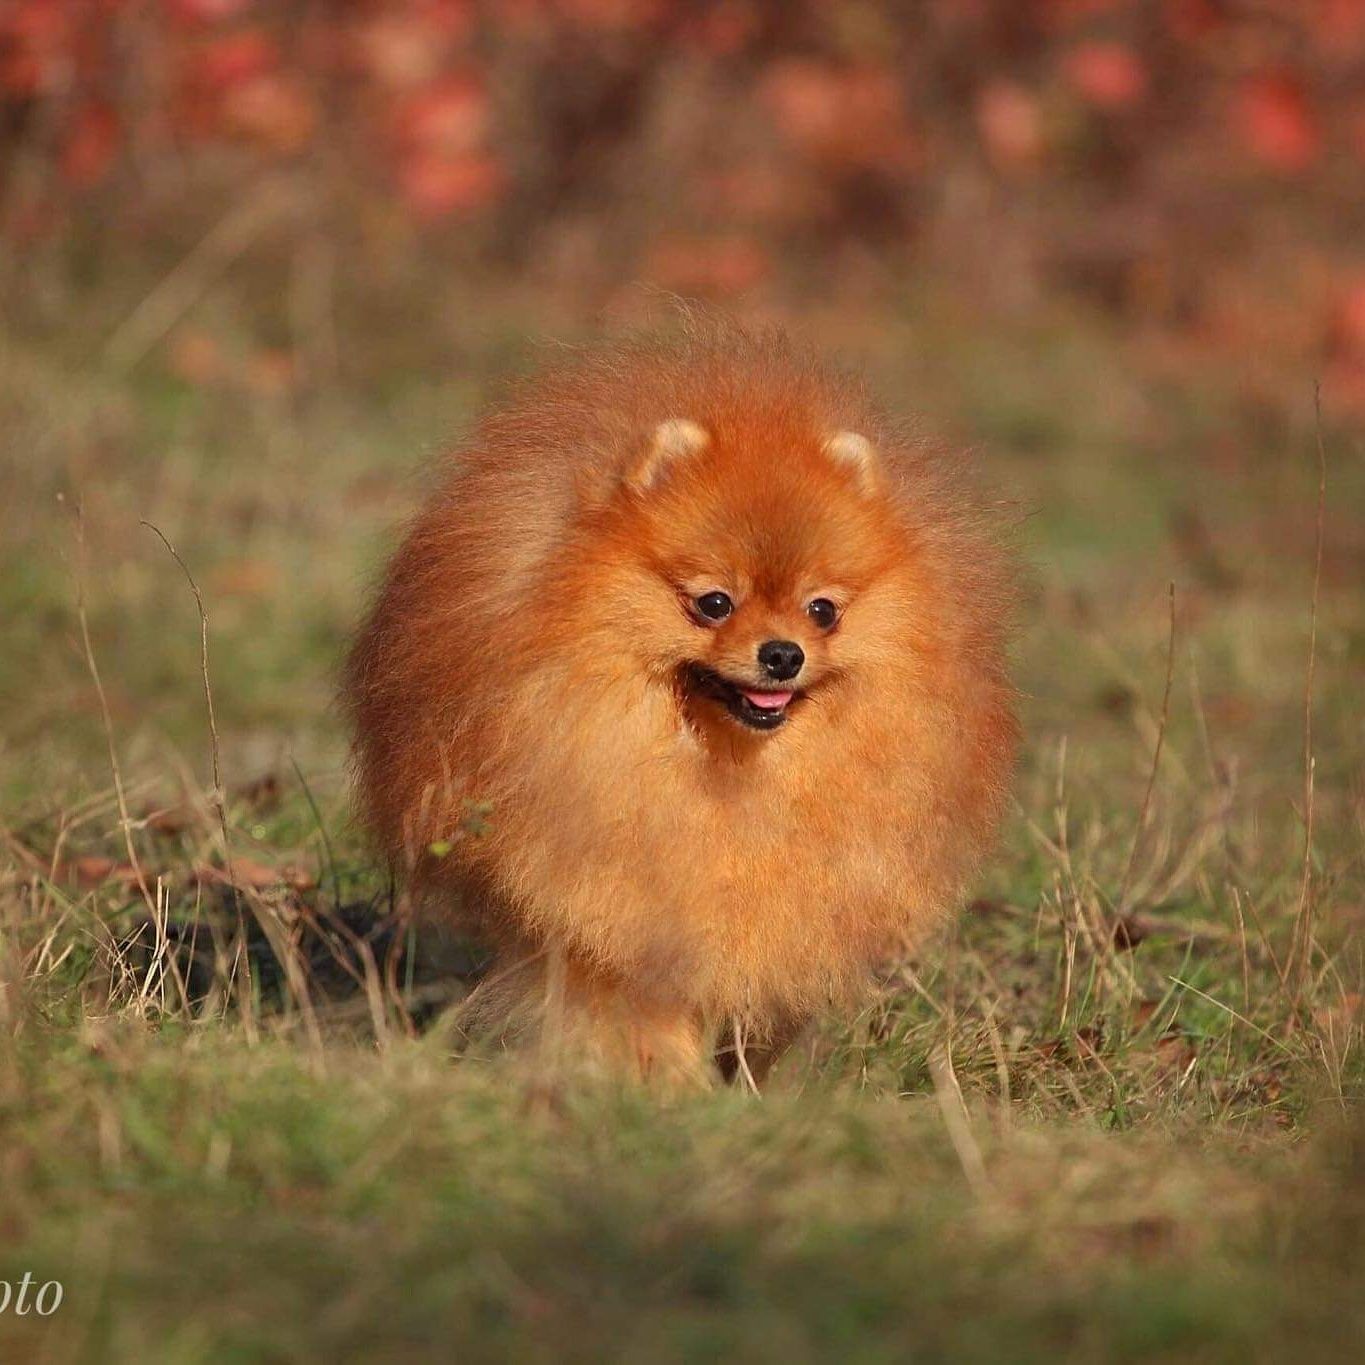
(1111, 1116)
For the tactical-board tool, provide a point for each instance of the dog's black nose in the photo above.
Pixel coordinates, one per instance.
(781, 659)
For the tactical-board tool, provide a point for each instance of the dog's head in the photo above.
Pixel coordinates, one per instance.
(751, 557)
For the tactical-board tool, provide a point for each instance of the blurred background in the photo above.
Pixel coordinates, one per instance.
(262, 260)
(258, 261)
(1189, 168)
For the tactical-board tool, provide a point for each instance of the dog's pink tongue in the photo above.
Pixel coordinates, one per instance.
(769, 701)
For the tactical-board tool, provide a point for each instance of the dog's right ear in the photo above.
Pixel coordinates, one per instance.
(673, 439)
(855, 453)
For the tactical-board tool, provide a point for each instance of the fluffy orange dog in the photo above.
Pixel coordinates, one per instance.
(717, 655)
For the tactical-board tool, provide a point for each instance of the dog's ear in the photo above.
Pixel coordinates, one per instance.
(856, 453)
(673, 439)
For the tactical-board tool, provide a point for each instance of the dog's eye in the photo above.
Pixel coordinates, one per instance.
(715, 606)
(823, 612)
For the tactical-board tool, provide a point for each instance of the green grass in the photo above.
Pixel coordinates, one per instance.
(1111, 1116)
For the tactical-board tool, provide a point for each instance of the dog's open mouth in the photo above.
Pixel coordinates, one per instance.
(755, 707)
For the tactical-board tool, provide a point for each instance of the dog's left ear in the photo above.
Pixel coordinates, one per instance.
(856, 453)
(673, 439)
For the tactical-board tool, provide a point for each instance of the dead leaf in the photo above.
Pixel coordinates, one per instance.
(169, 820)
(261, 794)
(247, 875)
(1265, 1086)
(986, 905)
(1336, 1019)
(1143, 1238)
(1143, 1011)
(1086, 1042)
(91, 870)
(1175, 1052)
(1129, 932)
(1116, 700)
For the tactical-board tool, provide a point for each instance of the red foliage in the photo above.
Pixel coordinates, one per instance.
(1276, 121)
(849, 116)
(445, 165)
(612, 14)
(705, 146)
(436, 185)
(1346, 329)
(449, 116)
(90, 144)
(1192, 21)
(713, 268)
(1010, 124)
(190, 12)
(1107, 75)
(274, 111)
(224, 62)
(411, 81)
(36, 39)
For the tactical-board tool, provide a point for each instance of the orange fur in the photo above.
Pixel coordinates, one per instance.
(645, 861)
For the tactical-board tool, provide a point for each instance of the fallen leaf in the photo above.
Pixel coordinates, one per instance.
(93, 870)
(260, 794)
(1143, 1238)
(1142, 1012)
(1336, 1019)
(169, 820)
(1129, 932)
(1265, 1086)
(1116, 700)
(985, 905)
(247, 875)
(1175, 1052)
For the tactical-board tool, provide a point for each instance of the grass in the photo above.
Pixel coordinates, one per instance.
(1113, 1115)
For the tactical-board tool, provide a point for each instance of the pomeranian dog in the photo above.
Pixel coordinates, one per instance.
(687, 690)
